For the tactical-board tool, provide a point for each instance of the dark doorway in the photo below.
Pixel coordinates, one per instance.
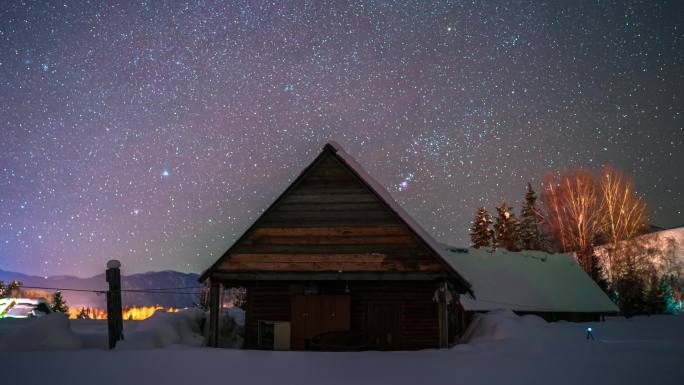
(316, 314)
(384, 325)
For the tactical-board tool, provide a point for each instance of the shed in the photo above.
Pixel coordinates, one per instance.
(336, 263)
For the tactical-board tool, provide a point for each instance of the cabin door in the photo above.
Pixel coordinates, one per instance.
(316, 314)
(384, 325)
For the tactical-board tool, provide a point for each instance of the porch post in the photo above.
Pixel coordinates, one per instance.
(214, 310)
(444, 316)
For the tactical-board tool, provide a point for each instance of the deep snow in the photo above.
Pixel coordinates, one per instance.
(527, 280)
(501, 348)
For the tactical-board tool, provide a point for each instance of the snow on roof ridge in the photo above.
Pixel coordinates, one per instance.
(534, 254)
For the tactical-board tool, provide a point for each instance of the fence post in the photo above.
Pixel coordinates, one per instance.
(214, 313)
(114, 316)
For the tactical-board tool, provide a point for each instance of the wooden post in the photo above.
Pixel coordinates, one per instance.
(446, 312)
(114, 316)
(444, 315)
(214, 310)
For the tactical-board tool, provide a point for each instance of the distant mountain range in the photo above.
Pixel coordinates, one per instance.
(178, 298)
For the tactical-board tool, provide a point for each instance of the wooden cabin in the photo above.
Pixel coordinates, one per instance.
(335, 264)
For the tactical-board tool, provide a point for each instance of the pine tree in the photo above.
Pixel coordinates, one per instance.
(481, 235)
(507, 228)
(630, 289)
(58, 303)
(530, 224)
(654, 301)
(13, 289)
(84, 313)
(671, 305)
(598, 275)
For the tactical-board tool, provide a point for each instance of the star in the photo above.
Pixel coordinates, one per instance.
(155, 128)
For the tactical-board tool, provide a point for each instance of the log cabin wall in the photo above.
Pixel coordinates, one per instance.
(417, 313)
(267, 301)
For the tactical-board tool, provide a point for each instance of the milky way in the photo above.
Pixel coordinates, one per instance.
(156, 135)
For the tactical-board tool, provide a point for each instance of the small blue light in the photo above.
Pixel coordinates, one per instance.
(588, 329)
(165, 172)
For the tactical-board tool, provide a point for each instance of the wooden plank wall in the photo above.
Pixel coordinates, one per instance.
(419, 314)
(330, 222)
(268, 302)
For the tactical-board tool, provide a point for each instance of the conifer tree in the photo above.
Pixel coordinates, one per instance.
(597, 274)
(481, 235)
(12, 289)
(84, 313)
(530, 224)
(630, 289)
(654, 299)
(58, 303)
(671, 305)
(507, 228)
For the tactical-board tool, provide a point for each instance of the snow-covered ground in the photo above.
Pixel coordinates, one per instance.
(502, 348)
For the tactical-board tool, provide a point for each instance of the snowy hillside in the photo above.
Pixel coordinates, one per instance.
(500, 348)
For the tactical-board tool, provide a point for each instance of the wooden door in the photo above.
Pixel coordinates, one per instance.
(300, 319)
(384, 325)
(316, 314)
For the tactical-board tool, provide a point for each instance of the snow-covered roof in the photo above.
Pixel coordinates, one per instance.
(527, 281)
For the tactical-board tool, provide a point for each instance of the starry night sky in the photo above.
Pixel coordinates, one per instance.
(156, 134)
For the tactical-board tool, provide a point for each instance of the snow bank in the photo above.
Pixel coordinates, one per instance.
(506, 330)
(237, 314)
(503, 349)
(54, 332)
(501, 325)
(50, 332)
(164, 329)
(231, 328)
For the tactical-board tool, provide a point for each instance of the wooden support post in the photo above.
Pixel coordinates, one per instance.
(114, 316)
(214, 313)
(444, 315)
(446, 312)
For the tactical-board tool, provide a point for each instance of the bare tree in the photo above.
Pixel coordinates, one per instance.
(574, 208)
(623, 214)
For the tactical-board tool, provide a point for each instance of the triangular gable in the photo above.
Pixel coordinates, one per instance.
(383, 238)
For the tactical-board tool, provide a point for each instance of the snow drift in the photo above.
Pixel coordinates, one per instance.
(164, 329)
(54, 332)
(50, 332)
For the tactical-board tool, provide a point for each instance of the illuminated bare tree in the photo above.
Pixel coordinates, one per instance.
(623, 213)
(573, 212)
